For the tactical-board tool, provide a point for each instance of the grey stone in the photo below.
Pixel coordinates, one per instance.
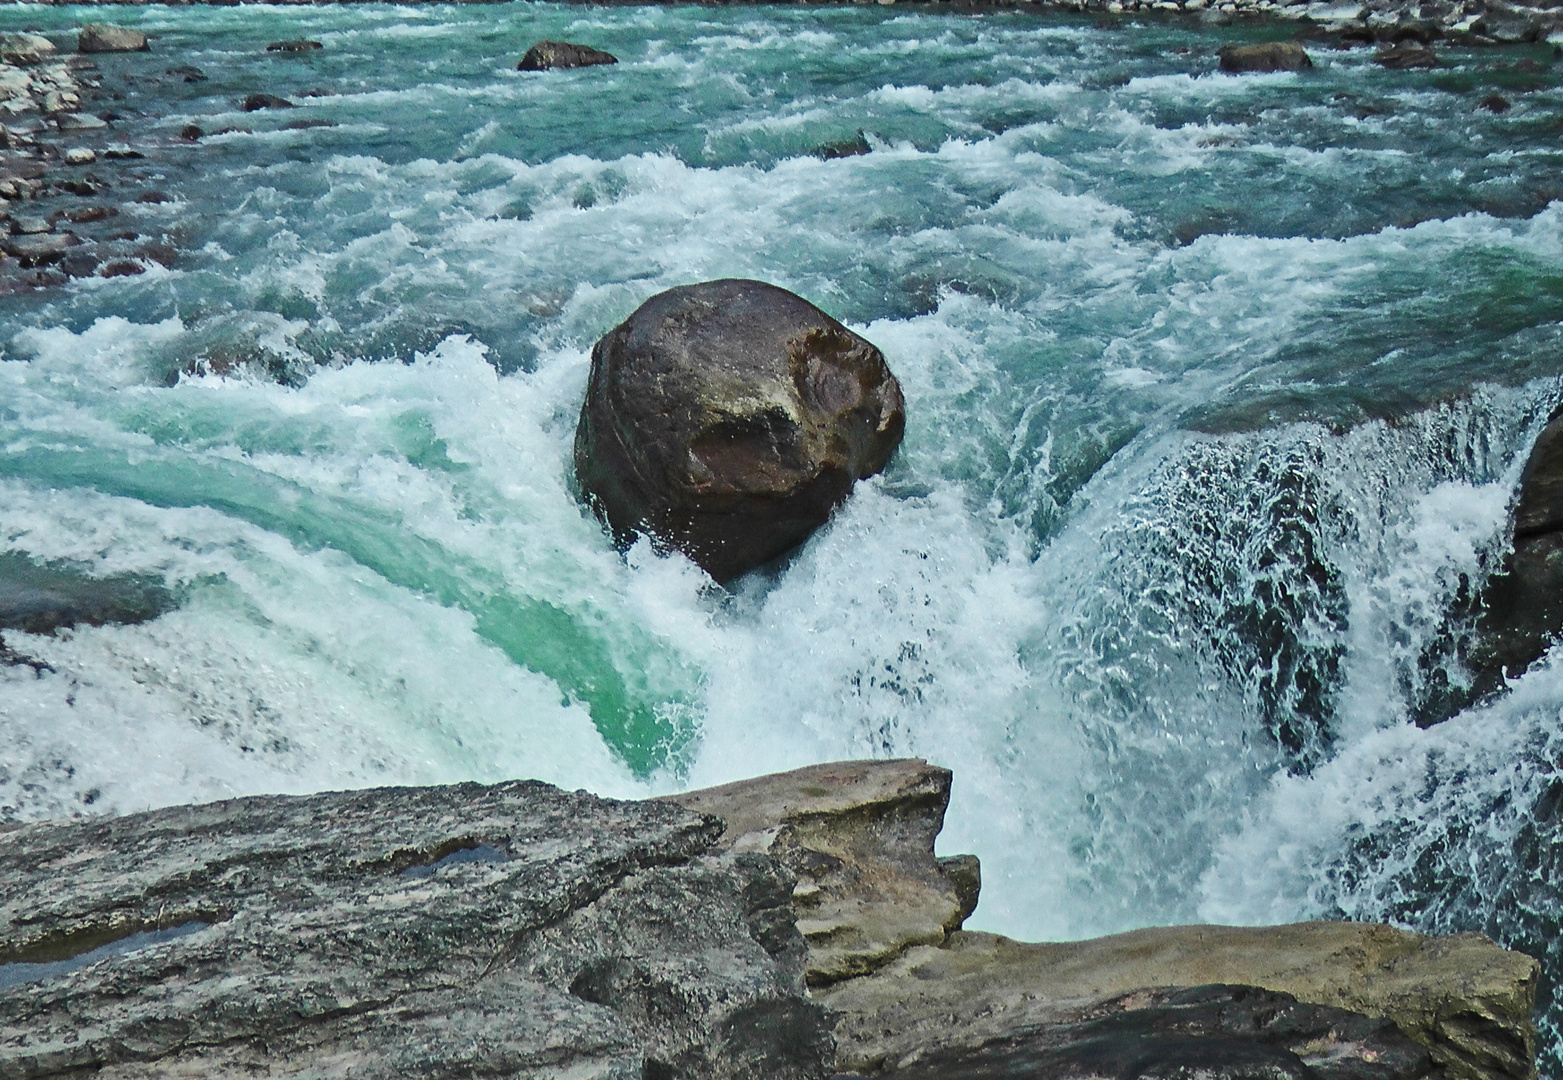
(860, 836)
(356, 934)
(75, 121)
(104, 38)
(1212, 1032)
(25, 49)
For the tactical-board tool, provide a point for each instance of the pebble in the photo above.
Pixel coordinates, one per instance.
(30, 226)
(80, 155)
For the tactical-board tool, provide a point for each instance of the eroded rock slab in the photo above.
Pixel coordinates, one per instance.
(512, 930)
(860, 837)
(1464, 999)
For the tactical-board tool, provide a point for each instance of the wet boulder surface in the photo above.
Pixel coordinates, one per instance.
(547, 55)
(729, 419)
(513, 930)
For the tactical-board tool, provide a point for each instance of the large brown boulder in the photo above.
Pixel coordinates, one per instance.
(728, 419)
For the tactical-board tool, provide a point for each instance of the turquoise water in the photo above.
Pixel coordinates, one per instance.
(1218, 389)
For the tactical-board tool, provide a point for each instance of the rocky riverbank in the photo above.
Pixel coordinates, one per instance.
(780, 927)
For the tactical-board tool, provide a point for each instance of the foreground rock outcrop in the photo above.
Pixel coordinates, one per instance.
(519, 930)
(514, 930)
(729, 419)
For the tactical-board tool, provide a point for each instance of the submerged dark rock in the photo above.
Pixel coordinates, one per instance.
(1267, 56)
(853, 147)
(729, 419)
(254, 102)
(601, 941)
(546, 55)
(296, 46)
(40, 598)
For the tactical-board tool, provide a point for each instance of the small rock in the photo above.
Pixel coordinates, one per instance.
(189, 74)
(85, 187)
(59, 101)
(1266, 56)
(103, 38)
(190, 133)
(300, 45)
(846, 148)
(122, 153)
(305, 125)
(25, 49)
(39, 249)
(254, 102)
(152, 197)
(1402, 57)
(563, 54)
(81, 122)
(79, 264)
(85, 214)
(121, 268)
(729, 419)
(1529, 65)
(29, 226)
(1494, 103)
(80, 155)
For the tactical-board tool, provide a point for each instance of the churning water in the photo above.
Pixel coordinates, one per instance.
(1218, 391)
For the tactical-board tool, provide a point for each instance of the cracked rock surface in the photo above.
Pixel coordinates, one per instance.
(514, 930)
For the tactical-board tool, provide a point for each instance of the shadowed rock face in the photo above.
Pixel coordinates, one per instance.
(729, 419)
(1213, 1032)
(347, 934)
(1520, 611)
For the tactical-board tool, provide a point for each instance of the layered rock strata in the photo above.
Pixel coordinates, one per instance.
(514, 930)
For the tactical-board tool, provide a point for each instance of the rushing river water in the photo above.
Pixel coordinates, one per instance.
(1217, 389)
